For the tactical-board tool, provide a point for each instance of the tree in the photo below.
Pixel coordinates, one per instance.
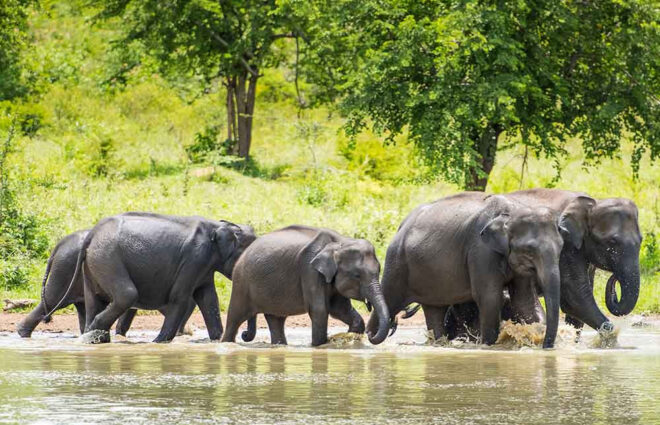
(13, 35)
(463, 77)
(231, 39)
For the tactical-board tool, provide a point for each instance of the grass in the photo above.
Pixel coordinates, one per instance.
(99, 152)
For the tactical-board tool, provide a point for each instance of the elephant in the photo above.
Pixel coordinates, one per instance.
(469, 247)
(604, 234)
(59, 274)
(157, 262)
(301, 269)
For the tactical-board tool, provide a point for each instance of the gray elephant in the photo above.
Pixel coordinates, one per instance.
(157, 262)
(470, 246)
(56, 293)
(300, 269)
(601, 234)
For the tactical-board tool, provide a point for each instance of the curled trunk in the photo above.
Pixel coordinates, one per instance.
(629, 281)
(375, 296)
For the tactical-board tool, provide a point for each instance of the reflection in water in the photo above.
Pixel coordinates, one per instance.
(198, 383)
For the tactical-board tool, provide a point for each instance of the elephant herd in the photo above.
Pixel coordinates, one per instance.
(468, 260)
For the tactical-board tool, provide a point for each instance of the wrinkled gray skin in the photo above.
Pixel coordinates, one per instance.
(157, 262)
(602, 234)
(300, 269)
(59, 274)
(470, 246)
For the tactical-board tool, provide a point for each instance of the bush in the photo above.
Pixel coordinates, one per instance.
(21, 235)
(649, 260)
(207, 143)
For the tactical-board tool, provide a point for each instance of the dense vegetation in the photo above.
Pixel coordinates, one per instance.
(103, 130)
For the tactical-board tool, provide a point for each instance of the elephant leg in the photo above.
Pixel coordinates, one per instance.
(239, 311)
(80, 309)
(276, 327)
(174, 316)
(435, 319)
(319, 318)
(191, 308)
(27, 325)
(207, 300)
(341, 309)
(125, 321)
(123, 294)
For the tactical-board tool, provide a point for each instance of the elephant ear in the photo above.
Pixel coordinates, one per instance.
(225, 237)
(325, 263)
(574, 220)
(495, 235)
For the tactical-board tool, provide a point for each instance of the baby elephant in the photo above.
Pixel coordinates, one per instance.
(300, 269)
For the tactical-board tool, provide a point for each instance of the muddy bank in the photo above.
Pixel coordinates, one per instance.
(69, 322)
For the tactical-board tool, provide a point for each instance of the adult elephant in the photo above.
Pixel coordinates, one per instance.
(601, 234)
(60, 290)
(300, 269)
(157, 262)
(467, 247)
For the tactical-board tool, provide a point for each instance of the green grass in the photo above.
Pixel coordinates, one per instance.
(100, 152)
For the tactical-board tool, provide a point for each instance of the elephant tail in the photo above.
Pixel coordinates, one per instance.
(411, 310)
(46, 318)
(81, 258)
(251, 331)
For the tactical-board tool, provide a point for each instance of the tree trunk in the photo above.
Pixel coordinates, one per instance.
(232, 132)
(246, 89)
(476, 178)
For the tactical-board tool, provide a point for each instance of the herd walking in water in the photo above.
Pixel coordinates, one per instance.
(468, 260)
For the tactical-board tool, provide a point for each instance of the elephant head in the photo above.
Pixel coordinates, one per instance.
(608, 232)
(231, 240)
(530, 241)
(353, 268)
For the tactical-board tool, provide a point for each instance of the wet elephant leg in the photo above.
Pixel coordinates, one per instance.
(319, 316)
(27, 325)
(207, 300)
(191, 308)
(125, 321)
(435, 320)
(342, 309)
(276, 327)
(239, 311)
(80, 309)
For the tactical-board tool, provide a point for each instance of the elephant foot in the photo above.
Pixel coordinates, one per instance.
(96, 336)
(23, 332)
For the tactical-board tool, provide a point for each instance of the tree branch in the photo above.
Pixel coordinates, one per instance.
(224, 43)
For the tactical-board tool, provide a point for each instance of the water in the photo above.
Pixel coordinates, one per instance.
(55, 379)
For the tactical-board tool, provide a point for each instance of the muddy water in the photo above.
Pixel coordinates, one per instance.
(55, 379)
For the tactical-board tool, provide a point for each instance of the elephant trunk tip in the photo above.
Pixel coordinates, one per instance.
(629, 295)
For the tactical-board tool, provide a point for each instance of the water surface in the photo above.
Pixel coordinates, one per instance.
(55, 379)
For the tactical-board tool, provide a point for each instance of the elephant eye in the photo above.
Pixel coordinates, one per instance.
(613, 241)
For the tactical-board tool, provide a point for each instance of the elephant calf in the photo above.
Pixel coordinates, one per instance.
(299, 269)
(158, 262)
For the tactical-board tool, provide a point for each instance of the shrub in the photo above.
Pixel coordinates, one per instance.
(650, 254)
(207, 143)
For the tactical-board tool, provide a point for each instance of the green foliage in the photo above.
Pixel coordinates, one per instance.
(206, 142)
(13, 28)
(22, 237)
(457, 76)
(650, 254)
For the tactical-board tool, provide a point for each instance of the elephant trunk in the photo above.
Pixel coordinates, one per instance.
(551, 289)
(628, 278)
(375, 296)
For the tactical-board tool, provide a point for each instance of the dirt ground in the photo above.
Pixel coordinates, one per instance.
(69, 322)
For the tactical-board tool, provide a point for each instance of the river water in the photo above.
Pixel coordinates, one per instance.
(56, 379)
